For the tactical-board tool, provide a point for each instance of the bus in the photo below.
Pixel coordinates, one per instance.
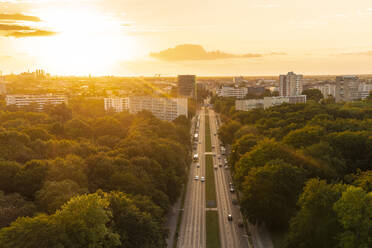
(195, 158)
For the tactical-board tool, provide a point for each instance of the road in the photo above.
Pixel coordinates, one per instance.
(230, 234)
(192, 230)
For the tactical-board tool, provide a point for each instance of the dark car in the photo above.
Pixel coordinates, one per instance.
(229, 217)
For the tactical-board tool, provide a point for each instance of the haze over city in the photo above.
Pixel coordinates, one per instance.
(208, 37)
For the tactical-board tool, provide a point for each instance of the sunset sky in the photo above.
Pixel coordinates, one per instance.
(170, 37)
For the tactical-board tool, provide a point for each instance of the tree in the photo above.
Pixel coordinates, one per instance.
(315, 224)
(304, 137)
(227, 131)
(54, 194)
(242, 146)
(13, 206)
(82, 222)
(313, 94)
(354, 211)
(136, 228)
(274, 190)
(8, 173)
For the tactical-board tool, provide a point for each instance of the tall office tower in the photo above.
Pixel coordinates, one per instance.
(186, 86)
(347, 88)
(290, 84)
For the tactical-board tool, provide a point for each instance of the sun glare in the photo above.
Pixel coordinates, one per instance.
(86, 43)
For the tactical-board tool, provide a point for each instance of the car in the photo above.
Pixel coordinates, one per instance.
(202, 179)
(212, 146)
(234, 201)
(197, 165)
(215, 134)
(199, 142)
(220, 165)
(226, 167)
(240, 223)
(229, 217)
(232, 190)
(196, 178)
(215, 167)
(231, 184)
(219, 156)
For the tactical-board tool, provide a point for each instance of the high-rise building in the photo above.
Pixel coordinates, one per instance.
(162, 107)
(347, 88)
(290, 84)
(186, 86)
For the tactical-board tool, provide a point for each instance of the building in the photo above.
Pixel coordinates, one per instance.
(116, 104)
(226, 91)
(39, 100)
(246, 105)
(162, 107)
(267, 102)
(326, 89)
(364, 90)
(347, 88)
(238, 80)
(186, 86)
(257, 91)
(290, 84)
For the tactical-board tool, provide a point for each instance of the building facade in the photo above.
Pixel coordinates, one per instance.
(186, 86)
(326, 89)
(347, 88)
(290, 84)
(267, 102)
(163, 108)
(226, 91)
(39, 100)
(116, 104)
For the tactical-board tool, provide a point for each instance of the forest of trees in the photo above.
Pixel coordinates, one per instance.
(77, 177)
(305, 169)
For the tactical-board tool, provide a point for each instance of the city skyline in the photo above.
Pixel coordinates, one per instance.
(222, 38)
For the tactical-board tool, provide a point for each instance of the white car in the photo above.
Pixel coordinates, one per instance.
(196, 178)
(202, 179)
(197, 165)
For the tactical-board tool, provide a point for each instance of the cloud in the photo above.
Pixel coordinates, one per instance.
(19, 17)
(33, 33)
(196, 52)
(365, 53)
(6, 27)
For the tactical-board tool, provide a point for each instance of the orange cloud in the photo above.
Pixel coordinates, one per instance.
(196, 52)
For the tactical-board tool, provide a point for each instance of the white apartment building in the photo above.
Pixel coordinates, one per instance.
(40, 100)
(364, 89)
(161, 107)
(226, 91)
(267, 102)
(116, 104)
(290, 84)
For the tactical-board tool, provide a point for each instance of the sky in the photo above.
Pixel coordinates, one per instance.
(170, 37)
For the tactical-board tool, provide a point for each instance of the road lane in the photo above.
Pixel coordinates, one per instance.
(231, 235)
(192, 229)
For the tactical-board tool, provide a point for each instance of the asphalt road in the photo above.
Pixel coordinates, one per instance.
(192, 230)
(231, 234)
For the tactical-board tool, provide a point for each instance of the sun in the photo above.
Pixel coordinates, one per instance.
(87, 42)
